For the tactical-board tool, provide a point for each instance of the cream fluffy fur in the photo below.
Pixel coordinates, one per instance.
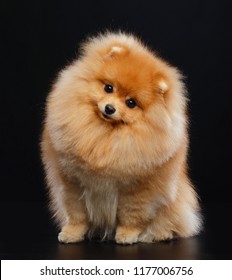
(121, 173)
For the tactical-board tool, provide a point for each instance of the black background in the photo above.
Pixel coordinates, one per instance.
(38, 38)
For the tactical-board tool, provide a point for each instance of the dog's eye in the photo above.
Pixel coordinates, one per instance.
(108, 88)
(131, 103)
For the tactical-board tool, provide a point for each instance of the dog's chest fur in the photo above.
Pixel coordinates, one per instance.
(100, 196)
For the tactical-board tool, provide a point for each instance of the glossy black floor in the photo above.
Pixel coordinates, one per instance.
(27, 233)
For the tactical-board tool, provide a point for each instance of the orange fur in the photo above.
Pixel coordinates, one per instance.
(125, 172)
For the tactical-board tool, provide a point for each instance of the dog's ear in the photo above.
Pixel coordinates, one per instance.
(161, 84)
(116, 51)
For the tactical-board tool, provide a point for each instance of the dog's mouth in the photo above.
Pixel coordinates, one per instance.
(106, 116)
(110, 119)
(103, 116)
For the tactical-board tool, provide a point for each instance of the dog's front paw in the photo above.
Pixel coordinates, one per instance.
(72, 233)
(127, 235)
(163, 235)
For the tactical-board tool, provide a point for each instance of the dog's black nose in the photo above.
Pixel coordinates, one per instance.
(109, 109)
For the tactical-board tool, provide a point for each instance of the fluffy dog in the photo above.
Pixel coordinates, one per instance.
(115, 144)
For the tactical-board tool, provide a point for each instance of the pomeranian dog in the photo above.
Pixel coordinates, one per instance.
(115, 143)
